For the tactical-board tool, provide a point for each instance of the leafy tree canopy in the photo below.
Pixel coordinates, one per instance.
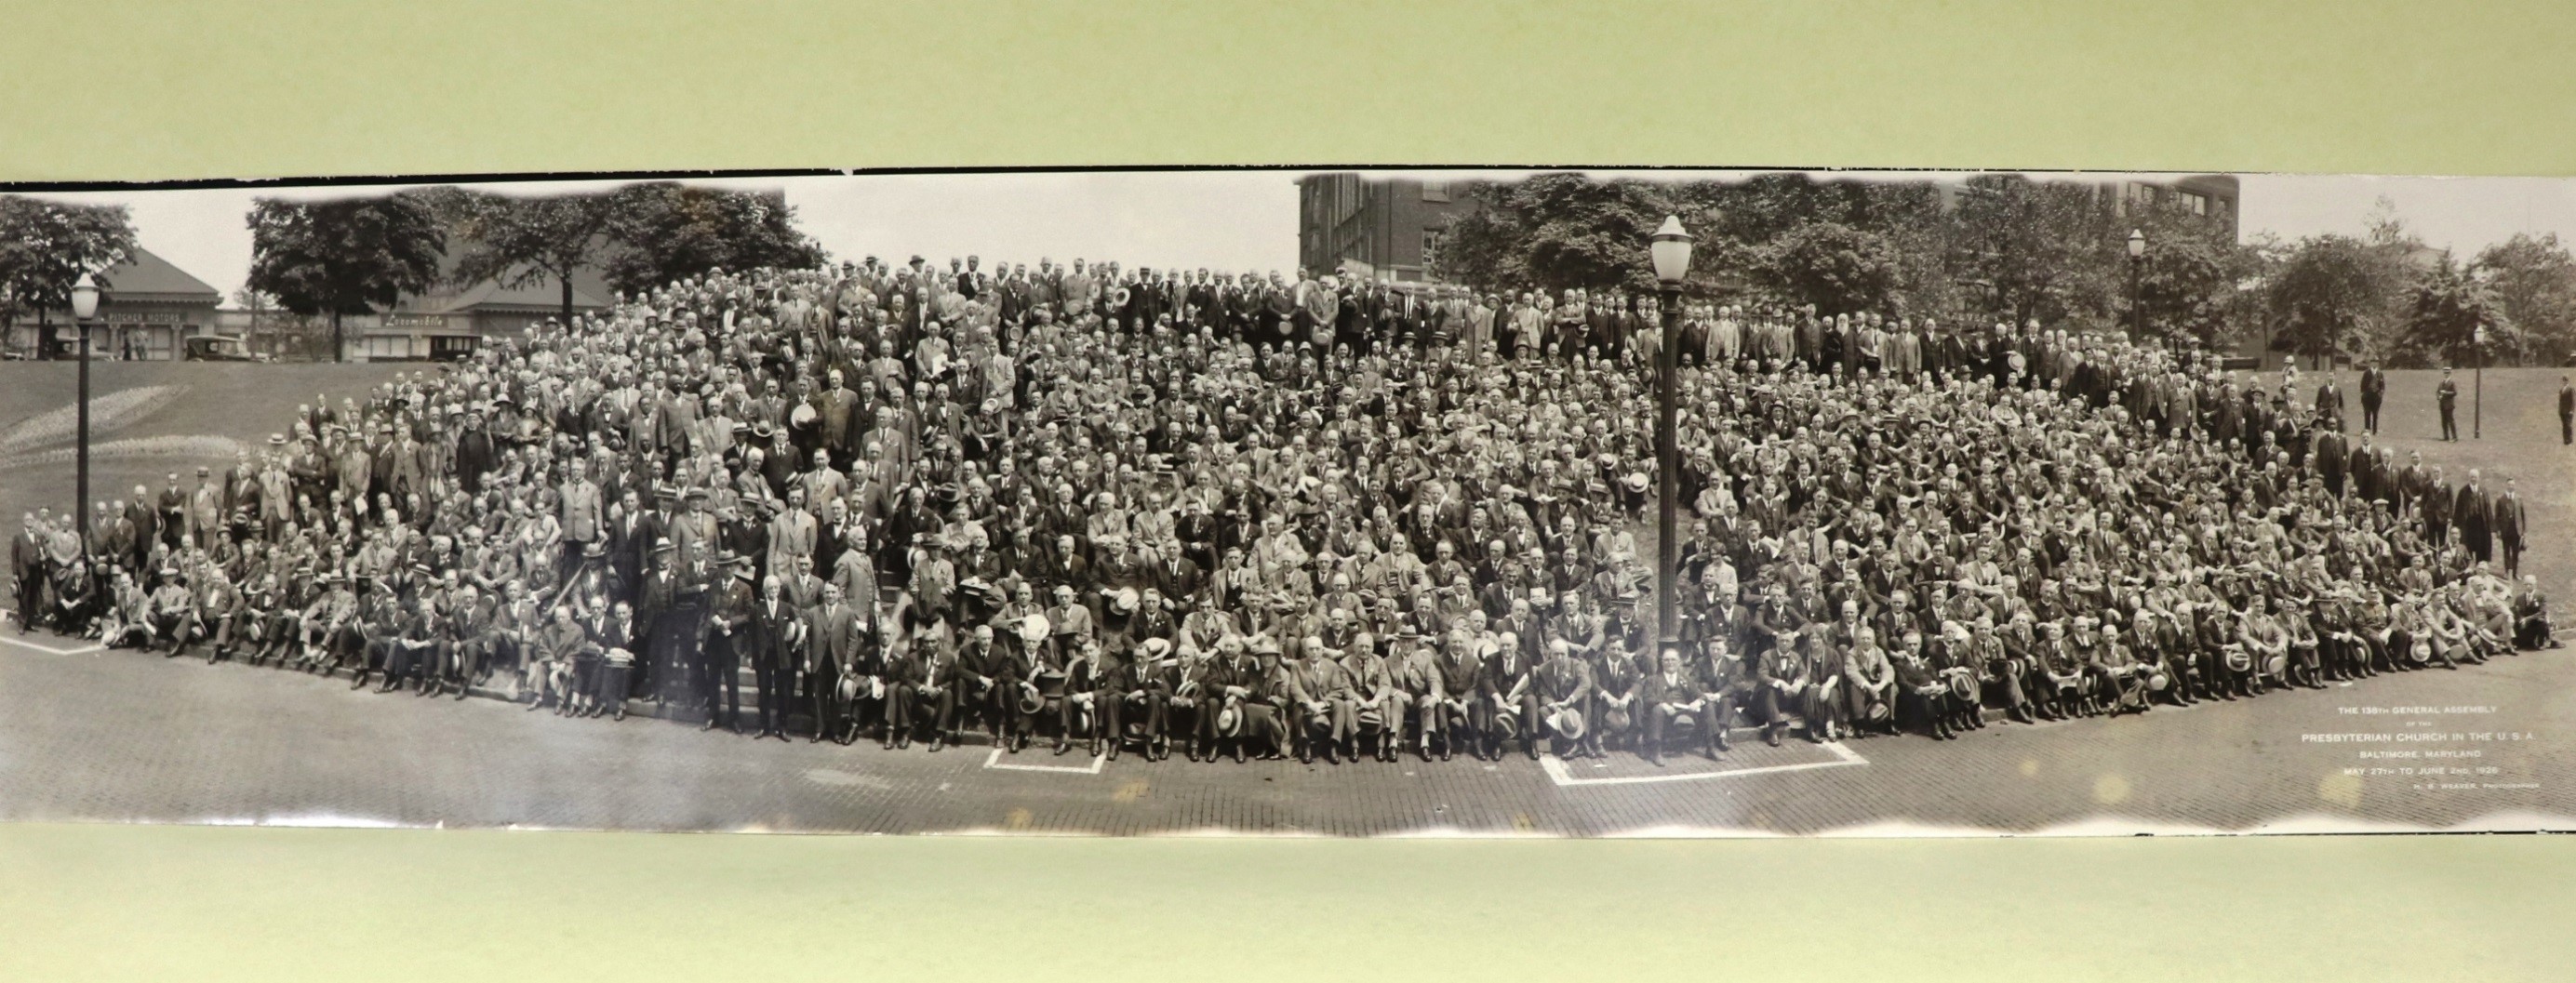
(45, 246)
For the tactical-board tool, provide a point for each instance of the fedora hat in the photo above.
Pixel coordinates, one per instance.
(1567, 722)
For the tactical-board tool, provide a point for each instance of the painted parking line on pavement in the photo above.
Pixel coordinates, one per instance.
(1558, 772)
(7, 616)
(994, 761)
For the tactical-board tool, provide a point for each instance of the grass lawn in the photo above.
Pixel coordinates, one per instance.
(237, 400)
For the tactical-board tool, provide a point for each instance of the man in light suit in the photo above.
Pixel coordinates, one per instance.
(835, 635)
(584, 519)
(792, 536)
(1324, 709)
(206, 511)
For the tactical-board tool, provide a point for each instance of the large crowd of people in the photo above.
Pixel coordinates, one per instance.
(1310, 516)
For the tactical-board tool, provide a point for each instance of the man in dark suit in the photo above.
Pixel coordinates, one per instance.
(27, 570)
(475, 455)
(2374, 390)
(2473, 513)
(2331, 454)
(729, 638)
(2510, 522)
(1666, 695)
(1178, 577)
(2436, 500)
(658, 619)
(2447, 397)
(904, 673)
(2566, 412)
(777, 631)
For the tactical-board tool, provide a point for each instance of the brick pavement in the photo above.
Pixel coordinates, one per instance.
(126, 736)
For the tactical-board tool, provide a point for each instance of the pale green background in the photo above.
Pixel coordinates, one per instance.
(100, 90)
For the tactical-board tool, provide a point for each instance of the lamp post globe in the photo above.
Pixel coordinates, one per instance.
(85, 298)
(1671, 249)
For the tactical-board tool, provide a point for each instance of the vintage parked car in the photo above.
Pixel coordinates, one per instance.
(219, 348)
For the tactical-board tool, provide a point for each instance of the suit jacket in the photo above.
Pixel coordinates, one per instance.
(834, 636)
(1656, 688)
(2471, 511)
(792, 541)
(1564, 680)
(775, 631)
(1179, 579)
(2510, 520)
(584, 514)
(1319, 680)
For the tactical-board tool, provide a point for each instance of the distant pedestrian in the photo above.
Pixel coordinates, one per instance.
(2374, 388)
(2448, 395)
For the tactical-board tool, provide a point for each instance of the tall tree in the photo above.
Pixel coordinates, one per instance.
(2188, 278)
(45, 246)
(2533, 282)
(2444, 316)
(670, 231)
(1830, 265)
(2040, 247)
(344, 257)
(1558, 231)
(517, 241)
(2332, 294)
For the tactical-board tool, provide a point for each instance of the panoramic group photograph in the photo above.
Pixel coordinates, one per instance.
(1315, 502)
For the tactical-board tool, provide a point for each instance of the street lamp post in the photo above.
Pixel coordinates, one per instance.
(84, 306)
(2478, 399)
(2137, 261)
(1671, 249)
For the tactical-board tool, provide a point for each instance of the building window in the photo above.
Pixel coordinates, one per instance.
(1432, 240)
(1435, 191)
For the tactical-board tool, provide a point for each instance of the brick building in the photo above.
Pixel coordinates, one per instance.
(1382, 228)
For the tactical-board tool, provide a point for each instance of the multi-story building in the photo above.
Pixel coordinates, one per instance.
(2213, 195)
(1381, 228)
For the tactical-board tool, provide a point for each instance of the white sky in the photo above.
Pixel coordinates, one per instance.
(1238, 220)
